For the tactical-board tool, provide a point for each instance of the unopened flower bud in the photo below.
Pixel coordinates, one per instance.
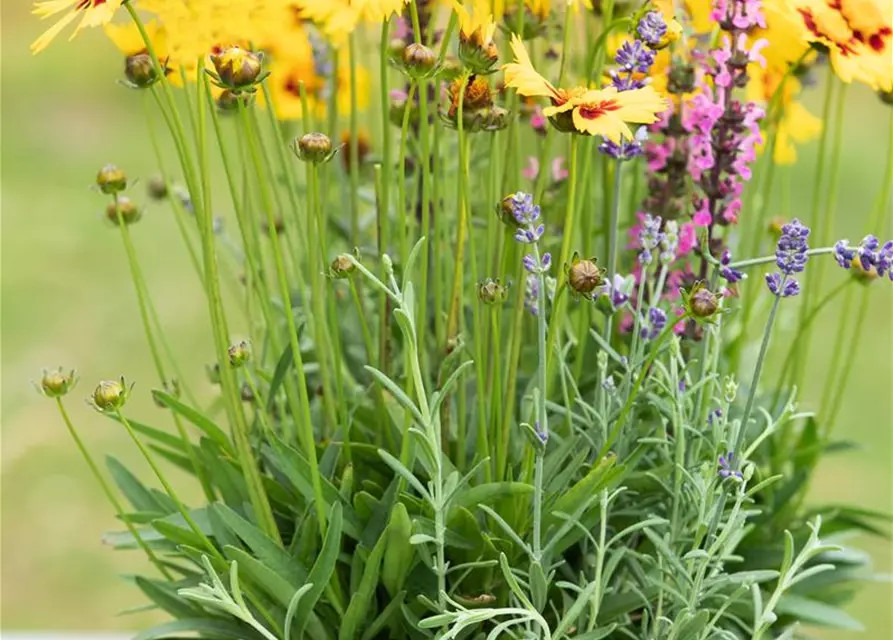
(342, 266)
(111, 179)
(228, 101)
(157, 188)
(140, 71)
(314, 147)
(110, 395)
(490, 291)
(729, 389)
(583, 276)
(418, 60)
(237, 68)
(55, 384)
(703, 302)
(246, 393)
(123, 211)
(239, 354)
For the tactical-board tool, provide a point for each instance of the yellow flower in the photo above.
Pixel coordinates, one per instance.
(859, 37)
(477, 27)
(796, 124)
(338, 18)
(287, 72)
(604, 112)
(92, 13)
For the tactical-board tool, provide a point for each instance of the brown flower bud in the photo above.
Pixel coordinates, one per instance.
(583, 276)
(490, 291)
(703, 302)
(157, 188)
(237, 68)
(125, 209)
(111, 179)
(418, 60)
(140, 71)
(314, 147)
(342, 266)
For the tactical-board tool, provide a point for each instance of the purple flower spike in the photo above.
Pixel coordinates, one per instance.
(726, 272)
(652, 28)
(656, 322)
(790, 254)
(727, 466)
(884, 261)
(843, 254)
(634, 57)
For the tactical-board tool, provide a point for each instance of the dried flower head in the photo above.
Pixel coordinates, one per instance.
(111, 179)
(419, 61)
(701, 303)
(123, 211)
(55, 384)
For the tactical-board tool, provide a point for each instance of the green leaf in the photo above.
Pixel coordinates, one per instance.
(597, 634)
(576, 610)
(161, 437)
(404, 473)
(362, 598)
(262, 577)
(266, 550)
(489, 493)
(321, 573)
(228, 629)
(397, 393)
(282, 366)
(205, 424)
(815, 612)
(384, 617)
(597, 478)
(135, 491)
(399, 555)
(164, 594)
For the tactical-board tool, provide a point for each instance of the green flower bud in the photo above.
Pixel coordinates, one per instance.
(239, 354)
(110, 395)
(55, 384)
(490, 291)
(124, 207)
(111, 179)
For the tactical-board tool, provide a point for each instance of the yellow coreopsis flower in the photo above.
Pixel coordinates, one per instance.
(796, 125)
(338, 18)
(130, 42)
(859, 37)
(476, 29)
(604, 112)
(92, 13)
(286, 75)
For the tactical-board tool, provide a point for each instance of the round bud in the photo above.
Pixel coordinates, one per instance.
(490, 291)
(239, 354)
(236, 67)
(157, 188)
(111, 179)
(246, 393)
(342, 266)
(109, 395)
(140, 70)
(703, 302)
(584, 276)
(55, 384)
(227, 101)
(418, 58)
(314, 147)
(124, 207)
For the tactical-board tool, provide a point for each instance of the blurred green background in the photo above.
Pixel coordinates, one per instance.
(67, 300)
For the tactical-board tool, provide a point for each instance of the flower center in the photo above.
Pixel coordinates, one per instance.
(85, 5)
(598, 109)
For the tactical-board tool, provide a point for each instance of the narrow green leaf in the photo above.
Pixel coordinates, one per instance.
(396, 392)
(164, 594)
(489, 493)
(205, 424)
(399, 555)
(136, 493)
(262, 577)
(362, 598)
(213, 628)
(384, 617)
(404, 473)
(815, 612)
(321, 573)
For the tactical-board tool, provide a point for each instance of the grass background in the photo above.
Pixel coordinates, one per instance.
(67, 299)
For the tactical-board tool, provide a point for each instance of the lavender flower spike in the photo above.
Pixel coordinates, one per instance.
(727, 466)
(652, 28)
(657, 320)
(791, 255)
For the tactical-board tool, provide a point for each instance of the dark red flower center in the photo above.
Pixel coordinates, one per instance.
(83, 5)
(597, 110)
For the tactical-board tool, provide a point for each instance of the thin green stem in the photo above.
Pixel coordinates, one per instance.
(354, 145)
(305, 419)
(109, 492)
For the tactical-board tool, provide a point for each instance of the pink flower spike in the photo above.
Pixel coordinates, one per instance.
(754, 54)
(532, 170)
(559, 173)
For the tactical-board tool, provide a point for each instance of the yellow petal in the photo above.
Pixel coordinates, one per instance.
(522, 76)
(44, 40)
(606, 125)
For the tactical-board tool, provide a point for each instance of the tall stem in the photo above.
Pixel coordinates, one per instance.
(542, 426)
(109, 493)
